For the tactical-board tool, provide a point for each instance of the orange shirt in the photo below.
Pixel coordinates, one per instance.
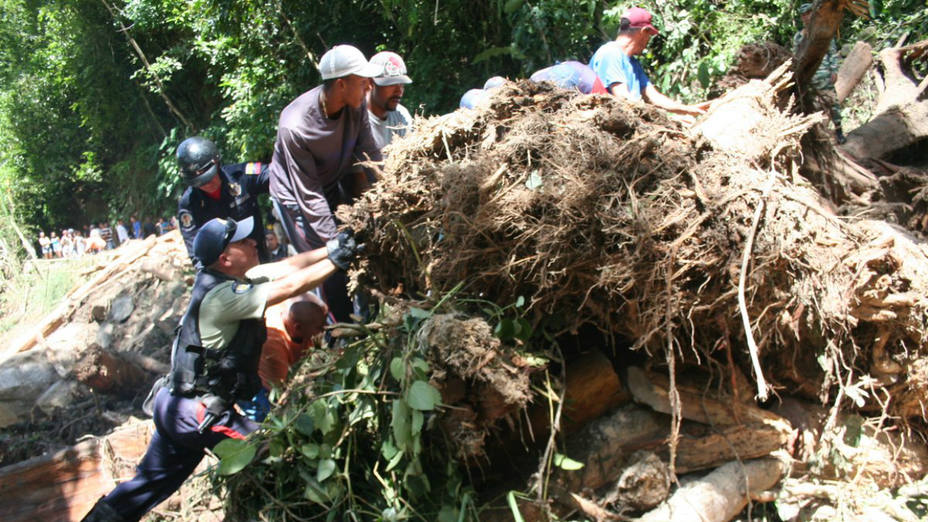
(279, 352)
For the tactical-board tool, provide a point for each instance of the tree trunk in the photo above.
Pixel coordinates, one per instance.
(819, 33)
(720, 495)
(902, 117)
(853, 69)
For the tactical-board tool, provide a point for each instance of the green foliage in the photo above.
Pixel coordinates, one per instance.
(358, 441)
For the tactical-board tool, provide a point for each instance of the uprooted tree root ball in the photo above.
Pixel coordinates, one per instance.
(607, 213)
(496, 232)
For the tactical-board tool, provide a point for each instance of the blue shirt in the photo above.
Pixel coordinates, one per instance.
(613, 66)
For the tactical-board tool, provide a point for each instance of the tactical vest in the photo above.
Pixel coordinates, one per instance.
(229, 372)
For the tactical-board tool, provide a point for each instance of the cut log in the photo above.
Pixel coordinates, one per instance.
(605, 445)
(720, 495)
(65, 485)
(853, 69)
(902, 111)
(593, 388)
(652, 390)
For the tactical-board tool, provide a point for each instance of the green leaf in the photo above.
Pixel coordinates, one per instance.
(234, 455)
(304, 424)
(322, 416)
(417, 420)
(349, 359)
(325, 469)
(703, 74)
(505, 329)
(395, 460)
(423, 396)
(420, 366)
(311, 451)
(398, 369)
(388, 450)
(400, 424)
(566, 463)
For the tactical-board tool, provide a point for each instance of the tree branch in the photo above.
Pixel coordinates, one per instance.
(145, 62)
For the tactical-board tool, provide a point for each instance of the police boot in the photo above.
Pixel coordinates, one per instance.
(102, 512)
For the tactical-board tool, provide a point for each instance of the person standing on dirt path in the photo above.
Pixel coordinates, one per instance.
(388, 118)
(218, 191)
(323, 139)
(621, 73)
(823, 81)
(214, 361)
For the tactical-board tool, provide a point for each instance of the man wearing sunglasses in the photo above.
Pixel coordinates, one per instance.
(218, 191)
(215, 358)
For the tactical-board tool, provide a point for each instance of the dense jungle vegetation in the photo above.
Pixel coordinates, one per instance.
(96, 94)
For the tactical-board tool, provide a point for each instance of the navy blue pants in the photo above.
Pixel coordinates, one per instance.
(173, 453)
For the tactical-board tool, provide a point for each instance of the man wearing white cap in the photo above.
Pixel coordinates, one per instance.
(387, 117)
(322, 138)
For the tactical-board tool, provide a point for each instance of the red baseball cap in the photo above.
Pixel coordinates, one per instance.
(639, 18)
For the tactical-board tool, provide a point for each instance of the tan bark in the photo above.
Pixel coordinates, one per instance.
(901, 115)
(853, 69)
(720, 495)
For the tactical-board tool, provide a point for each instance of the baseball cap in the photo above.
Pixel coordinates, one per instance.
(805, 8)
(213, 238)
(392, 69)
(344, 60)
(639, 18)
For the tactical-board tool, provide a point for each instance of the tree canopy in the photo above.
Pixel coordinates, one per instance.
(96, 95)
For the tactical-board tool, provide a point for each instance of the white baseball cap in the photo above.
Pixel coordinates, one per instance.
(344, 60)
(392, 69)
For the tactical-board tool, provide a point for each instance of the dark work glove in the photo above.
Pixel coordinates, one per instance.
(343, 249)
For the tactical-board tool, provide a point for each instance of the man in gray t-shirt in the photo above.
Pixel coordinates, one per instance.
(387, 117)
(323, 136)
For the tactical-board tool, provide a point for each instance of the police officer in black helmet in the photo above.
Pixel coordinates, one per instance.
(218, 191)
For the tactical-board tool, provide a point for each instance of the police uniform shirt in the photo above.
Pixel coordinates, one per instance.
(238, 199)
(228, 303)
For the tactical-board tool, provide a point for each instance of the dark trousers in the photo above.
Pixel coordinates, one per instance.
(173, 453)
(334, 290)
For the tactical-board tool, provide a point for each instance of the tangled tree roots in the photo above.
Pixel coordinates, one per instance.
(602, 212)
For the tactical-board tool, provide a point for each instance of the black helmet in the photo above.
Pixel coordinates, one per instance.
(198, 160)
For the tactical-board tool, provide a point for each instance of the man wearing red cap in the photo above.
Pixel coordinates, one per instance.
(622, 74)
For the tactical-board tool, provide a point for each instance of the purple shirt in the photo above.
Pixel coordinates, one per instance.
(314, 152)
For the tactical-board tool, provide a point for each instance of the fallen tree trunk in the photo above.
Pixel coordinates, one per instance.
(853, 69)
(605, 444)
(720, 495)
(65, 485)
(902, 111)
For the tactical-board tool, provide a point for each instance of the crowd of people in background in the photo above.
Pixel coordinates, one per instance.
(97, 237)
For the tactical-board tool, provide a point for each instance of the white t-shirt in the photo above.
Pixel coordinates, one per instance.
(395, 124)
